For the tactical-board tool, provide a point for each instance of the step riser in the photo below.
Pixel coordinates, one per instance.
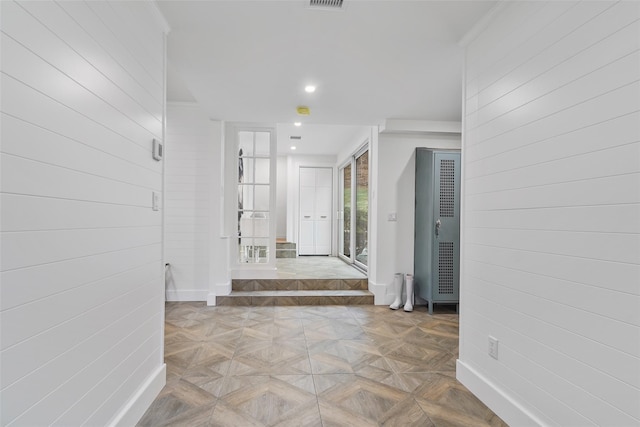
(291, 246)
(285, 253)
(299, 284)
(293, 300)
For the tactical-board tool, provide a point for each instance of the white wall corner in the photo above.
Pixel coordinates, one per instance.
(135, 408)
(495, 398)
(482, 24)
(223, 288)
(158, 16)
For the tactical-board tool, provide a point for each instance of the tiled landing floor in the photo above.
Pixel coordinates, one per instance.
(312, 366)
(316, 267)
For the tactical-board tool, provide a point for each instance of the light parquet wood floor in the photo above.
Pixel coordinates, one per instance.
(312, 366)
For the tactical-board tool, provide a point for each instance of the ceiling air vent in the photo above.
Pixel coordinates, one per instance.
(295, 137)
(328, 4)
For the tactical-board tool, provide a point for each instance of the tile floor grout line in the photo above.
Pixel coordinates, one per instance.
(313, 377)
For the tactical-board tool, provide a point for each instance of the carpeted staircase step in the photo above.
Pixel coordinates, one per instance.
(296, 297)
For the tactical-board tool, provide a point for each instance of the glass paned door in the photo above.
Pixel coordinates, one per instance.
(354, 210)
(362, 209)
(253, 197)
(345, 211)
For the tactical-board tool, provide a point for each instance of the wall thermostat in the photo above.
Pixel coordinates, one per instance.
(157, 150)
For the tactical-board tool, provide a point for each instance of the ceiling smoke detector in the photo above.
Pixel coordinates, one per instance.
(326, 4)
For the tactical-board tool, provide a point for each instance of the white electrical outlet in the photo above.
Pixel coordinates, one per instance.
(392, 217)
(493, 347)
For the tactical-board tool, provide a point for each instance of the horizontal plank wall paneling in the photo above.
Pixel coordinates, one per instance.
(551, 222)
(81, 301)
(191, 184)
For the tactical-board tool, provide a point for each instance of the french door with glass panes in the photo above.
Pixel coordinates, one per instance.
(255, 197)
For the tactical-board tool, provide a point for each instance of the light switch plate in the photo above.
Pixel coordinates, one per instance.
(493, 347)
(155, 201)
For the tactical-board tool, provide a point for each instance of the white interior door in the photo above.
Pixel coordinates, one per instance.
(323, 196)
(315, 211)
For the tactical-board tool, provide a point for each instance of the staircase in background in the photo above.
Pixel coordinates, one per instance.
(271, 292)
(285, 249)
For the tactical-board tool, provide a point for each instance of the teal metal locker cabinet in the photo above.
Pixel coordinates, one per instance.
(437, 227)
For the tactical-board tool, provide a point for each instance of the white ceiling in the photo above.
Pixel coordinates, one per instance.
(249, 61)
(315, 139)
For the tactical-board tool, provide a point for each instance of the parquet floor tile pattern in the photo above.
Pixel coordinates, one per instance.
(312, 366)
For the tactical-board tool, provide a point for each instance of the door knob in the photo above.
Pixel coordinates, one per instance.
(438, 224)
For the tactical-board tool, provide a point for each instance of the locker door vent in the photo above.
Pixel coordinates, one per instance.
(333, 4)
(447, 188)
(445, 268)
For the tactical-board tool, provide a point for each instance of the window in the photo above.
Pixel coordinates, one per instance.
(362, 208)
(345, 214)
(254, 196)
(354, 210)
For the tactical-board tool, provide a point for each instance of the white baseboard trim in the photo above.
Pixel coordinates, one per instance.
(379, 292)
(211, 299)
(186, 295)
(511, 412)
(141, 400)
(219, 289)
(383, 295)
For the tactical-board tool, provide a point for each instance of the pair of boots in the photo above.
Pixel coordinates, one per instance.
(398, 281)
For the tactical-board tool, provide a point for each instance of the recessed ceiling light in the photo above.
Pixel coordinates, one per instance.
(310, 88)
(297, 124)
(293, 147)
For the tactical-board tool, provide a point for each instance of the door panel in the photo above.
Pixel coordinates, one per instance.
(323, 237)
(324, 177)
(307, 202)
(345, 212)
(362, 209)
(307, 177)
(323, 203)
(306, 241)
(424, 224)
(446, 245)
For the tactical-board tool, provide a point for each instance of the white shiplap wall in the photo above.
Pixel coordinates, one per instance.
(192, 187)
(551, 225)
(81, 305)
